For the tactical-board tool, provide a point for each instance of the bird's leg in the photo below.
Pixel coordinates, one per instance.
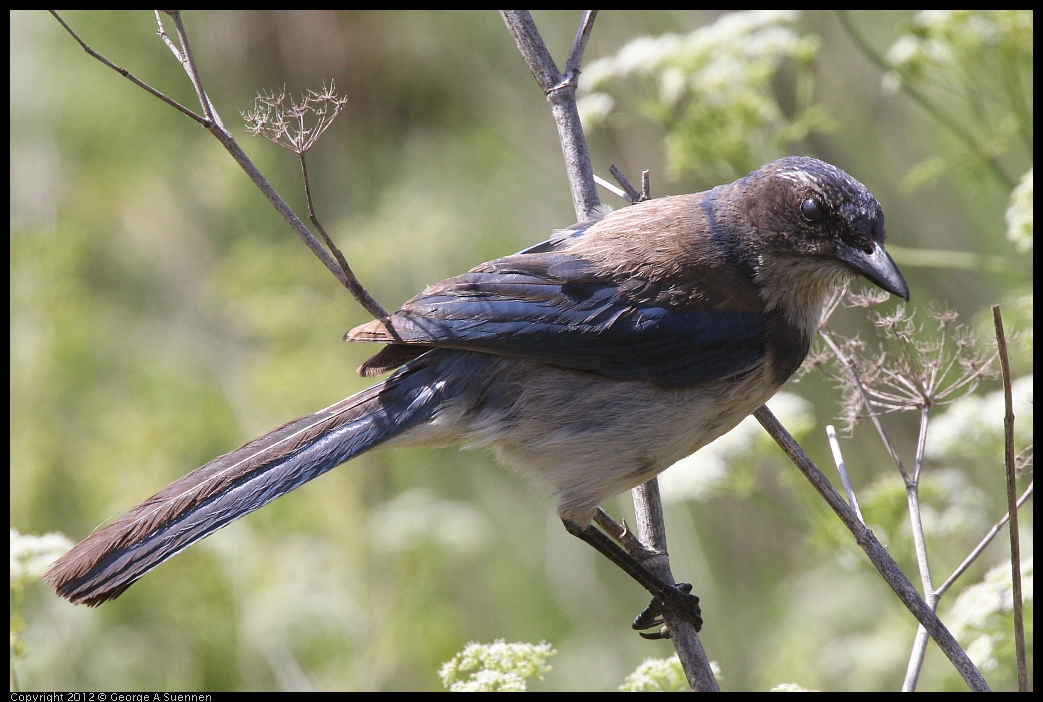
(664, 595)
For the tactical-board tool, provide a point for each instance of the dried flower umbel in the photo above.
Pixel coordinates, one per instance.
(291, 124)
(912, 368)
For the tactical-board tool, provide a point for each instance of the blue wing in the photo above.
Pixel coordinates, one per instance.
(547, 305)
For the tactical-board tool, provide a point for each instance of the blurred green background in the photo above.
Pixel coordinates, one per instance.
(162, 313)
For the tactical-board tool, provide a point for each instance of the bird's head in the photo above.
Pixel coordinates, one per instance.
(809, 225)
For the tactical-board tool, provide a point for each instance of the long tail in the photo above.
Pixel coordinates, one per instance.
(106, 563)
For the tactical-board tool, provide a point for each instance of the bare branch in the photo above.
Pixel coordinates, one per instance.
(986, 540)
(192, 69)
(1015, 537)
(623, 534)
(533, 50)
(162, 32)
(920, 643)
(354, 286)
(632, 194)
(916, 655)
(130, 76)
(838, 459)
(575, 58)
(561, 92)
(618, 192)
(877, 554)
(683, 635)
(214, 125)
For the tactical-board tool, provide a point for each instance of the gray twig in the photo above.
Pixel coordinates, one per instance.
(128, 75)
(632, 194)
(1012, 505)
(212, 121)
(986, 540)
(561, 92)
(877, 554)
(838, 459)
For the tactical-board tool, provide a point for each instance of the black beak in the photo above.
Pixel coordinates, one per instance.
(877, 266)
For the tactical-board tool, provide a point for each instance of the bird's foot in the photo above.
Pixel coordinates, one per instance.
(679, 599)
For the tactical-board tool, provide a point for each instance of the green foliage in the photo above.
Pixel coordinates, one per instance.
(496, 667)
(980, 58)
(712, 91)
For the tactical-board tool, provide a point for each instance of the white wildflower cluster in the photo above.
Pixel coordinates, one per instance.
(948, 38)
(660, 675)
(976, 423)
(32, 555)
(980, 616)
(496, 667)
(792, 687)
(710, 88)
(1019, 214)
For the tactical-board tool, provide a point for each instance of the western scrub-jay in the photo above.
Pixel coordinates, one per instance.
(592, 361)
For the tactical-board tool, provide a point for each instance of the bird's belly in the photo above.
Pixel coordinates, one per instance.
(585, 436)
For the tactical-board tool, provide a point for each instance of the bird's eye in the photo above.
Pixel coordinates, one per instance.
(811, 210)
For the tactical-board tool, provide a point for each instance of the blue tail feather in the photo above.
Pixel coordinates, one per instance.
(231, 486)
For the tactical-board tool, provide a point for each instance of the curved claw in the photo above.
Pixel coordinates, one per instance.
(680, 601)
(663, 633)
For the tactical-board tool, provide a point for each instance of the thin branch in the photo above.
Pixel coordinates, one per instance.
(869, 407)
(632, 194)
(561, 92)
(354, 286)
(838, 459)
(877, 554)
(216, 127)
(533, 50)
(575, 58)
(913, 494)
(192, 69)
(162, 32)
(623, 534)
(281, 207)
(617, 191)
(919, 649)
(130, 76)
(920, 643)
(986, 540)
(1015, 537)
(917, 653)
(683, 635)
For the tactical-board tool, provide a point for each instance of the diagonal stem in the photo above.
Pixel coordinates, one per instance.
(877, 554)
